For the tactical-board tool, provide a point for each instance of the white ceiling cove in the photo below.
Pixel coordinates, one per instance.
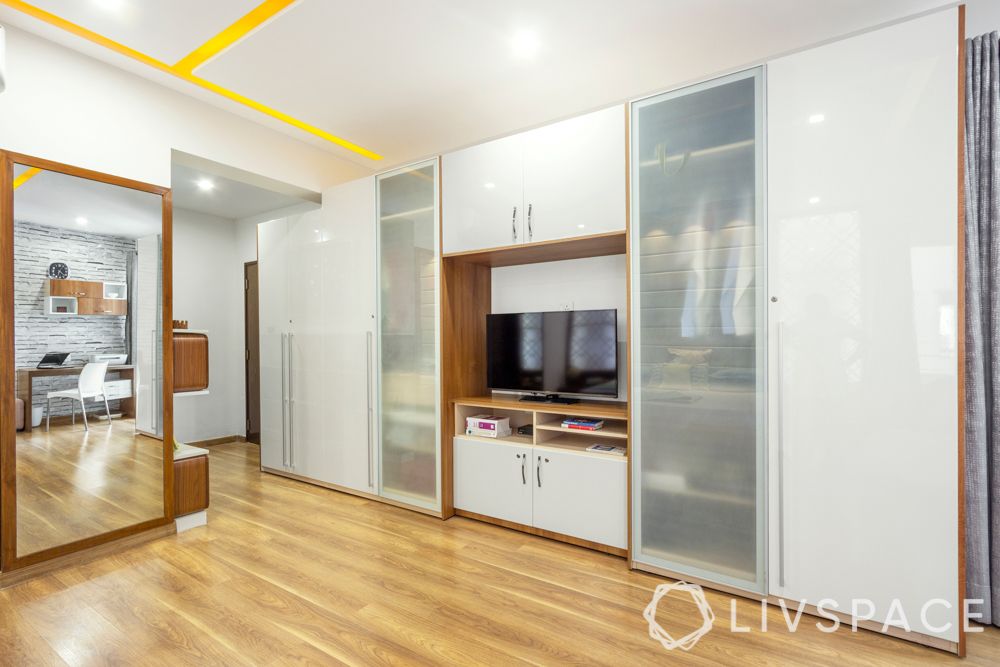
(409, 79)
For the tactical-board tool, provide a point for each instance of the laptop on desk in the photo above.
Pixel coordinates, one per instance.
(53, 359)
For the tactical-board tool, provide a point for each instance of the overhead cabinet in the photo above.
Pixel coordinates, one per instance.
(559, 181)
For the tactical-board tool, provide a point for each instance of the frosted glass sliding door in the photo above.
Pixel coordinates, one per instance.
(408, 335)
(699, 331)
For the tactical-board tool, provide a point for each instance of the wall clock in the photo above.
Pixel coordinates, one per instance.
(58, 270)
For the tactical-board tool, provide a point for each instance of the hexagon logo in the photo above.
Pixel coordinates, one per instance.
(688, 641)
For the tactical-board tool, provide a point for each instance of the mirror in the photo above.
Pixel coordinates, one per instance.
(89, 452)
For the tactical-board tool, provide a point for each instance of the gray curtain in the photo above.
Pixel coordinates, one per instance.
(982, 321)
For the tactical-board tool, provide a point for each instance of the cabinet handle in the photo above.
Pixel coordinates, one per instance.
(538, 472)
(781, 455)
(524, 461)
(284, 403)
(513, 225)
(368, 389)
(291, 402)
(531, 231)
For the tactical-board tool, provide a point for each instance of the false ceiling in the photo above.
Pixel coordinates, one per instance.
(402, 80)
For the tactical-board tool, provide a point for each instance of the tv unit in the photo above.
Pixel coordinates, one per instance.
(571, 352)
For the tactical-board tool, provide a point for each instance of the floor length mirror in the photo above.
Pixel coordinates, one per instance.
(87, 358)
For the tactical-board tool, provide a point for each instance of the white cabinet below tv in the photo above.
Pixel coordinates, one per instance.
(576, 494)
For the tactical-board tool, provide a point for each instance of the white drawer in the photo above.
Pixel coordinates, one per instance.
(118, 389)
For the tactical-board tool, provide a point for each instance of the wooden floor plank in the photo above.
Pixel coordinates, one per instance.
(287, 573)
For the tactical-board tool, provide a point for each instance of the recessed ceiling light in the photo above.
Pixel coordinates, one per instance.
(81, 220)
(489, 186)
(110, 5)
(580, 226)
(816, 118)
(205, 185)
(525, 44)
(814, 200)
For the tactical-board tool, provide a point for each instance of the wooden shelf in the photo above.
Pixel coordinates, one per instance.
(523, 440)
(595, 409)
(595, 245)
(564, 443)
(614, 431)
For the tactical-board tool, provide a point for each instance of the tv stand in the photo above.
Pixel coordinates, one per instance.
(549, 398)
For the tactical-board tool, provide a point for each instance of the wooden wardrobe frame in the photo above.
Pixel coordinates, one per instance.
(9, 560)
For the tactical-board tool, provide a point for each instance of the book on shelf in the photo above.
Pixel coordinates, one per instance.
(583, 424)
(607, 449)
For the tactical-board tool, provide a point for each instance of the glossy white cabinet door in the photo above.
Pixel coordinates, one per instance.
(308, 346)
(581, 495)
(862, 260)
(493, 479)
(272, 264)
(345, 365)
(574, 177)
(482, 196)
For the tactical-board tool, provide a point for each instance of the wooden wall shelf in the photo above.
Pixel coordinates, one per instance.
(596, 245)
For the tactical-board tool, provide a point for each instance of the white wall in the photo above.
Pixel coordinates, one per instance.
(981, 16)
(67, 107)
(208, 292)
(575, 284)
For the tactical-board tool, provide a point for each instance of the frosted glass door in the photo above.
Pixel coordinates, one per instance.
(699, 339)
(408, 337)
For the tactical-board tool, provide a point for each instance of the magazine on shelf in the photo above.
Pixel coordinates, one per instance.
(607, 449)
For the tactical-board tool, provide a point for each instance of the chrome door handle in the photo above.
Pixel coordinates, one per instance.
(284, 403)
(513, 225)
(531, 231)
(291, 401)
(524, 461)
(368, 389)
(538, 472)
(781, 455)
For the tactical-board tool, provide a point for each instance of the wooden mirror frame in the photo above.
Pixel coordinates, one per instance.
(9, 560)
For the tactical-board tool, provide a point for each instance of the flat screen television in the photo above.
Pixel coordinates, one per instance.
(561, 352)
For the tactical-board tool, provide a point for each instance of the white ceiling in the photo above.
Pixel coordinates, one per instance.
(415, 78)
(228, 199)
(57, 200)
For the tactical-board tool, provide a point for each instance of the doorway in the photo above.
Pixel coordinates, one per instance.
(252, 350)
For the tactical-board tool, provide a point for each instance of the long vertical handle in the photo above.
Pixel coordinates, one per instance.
(531, 231)
(524, 461)
(284, 403)
(291, 401)
(513, 226)
(368, 393)
(538, 472)
(781, 454)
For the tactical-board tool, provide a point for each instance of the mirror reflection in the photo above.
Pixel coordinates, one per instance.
(88, 352)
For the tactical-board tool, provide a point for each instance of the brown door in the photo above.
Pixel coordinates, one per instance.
(89, 306)
(252, 353)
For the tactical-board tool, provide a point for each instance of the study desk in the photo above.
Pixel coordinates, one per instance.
(26, 377)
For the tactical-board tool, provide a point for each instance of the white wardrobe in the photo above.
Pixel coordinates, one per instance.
(795, 355)
(348, 346)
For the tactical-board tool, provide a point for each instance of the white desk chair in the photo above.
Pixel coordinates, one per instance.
(91, 385)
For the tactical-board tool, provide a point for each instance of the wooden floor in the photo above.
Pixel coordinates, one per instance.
(74, 483)
(287, 573)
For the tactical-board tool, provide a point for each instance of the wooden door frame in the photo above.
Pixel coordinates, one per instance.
(246, 348)
(9, 559)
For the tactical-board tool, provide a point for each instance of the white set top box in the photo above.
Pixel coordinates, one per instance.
(112, 359)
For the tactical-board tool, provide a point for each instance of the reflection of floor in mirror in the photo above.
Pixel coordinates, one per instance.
(73, 484)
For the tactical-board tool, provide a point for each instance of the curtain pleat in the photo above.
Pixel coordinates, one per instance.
(982, 365)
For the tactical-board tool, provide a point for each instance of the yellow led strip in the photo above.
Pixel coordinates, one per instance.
(225, 39)
(251, 21)
(26, 176)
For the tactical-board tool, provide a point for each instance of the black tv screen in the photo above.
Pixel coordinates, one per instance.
(560, 352)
